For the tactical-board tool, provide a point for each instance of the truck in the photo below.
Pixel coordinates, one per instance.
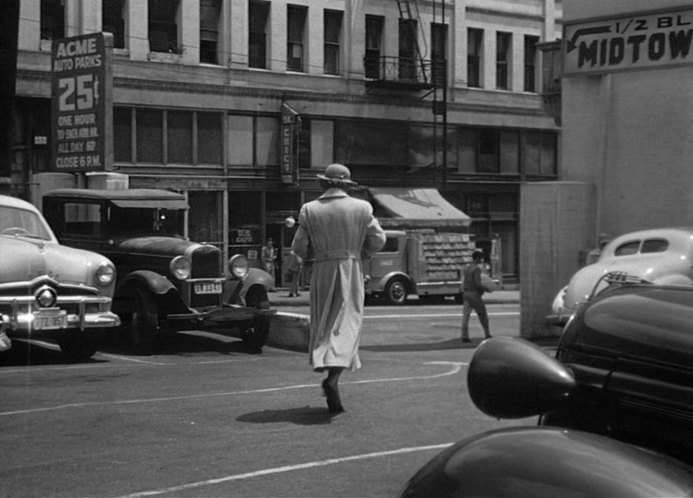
(424, 262)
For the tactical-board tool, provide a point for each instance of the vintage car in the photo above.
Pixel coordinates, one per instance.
(661, 256)
(48, 291)
(615, 406)
(165, 282)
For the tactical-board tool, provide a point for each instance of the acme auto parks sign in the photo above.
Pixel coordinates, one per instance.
(633, 42)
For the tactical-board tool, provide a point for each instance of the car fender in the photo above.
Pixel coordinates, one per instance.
(379, 285)
(548, 461)
(235, 290)
(167, 295)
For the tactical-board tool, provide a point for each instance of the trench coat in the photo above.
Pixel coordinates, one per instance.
(336, 232)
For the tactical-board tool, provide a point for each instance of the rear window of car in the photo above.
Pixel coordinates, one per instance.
(654, 245)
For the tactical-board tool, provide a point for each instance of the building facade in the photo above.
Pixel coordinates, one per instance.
(239, 103)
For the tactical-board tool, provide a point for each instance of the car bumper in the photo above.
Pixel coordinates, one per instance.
(26, 322)
(216, 318)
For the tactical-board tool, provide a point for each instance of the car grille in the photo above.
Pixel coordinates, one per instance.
(7, 293)
(206, 263)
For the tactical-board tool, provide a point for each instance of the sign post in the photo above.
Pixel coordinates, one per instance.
(82, 123)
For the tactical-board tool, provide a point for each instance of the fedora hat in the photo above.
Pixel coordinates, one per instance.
(337, 173)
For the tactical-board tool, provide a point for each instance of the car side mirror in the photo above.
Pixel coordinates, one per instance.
(513, 378)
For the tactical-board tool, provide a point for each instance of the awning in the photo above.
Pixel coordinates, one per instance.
(420, 207)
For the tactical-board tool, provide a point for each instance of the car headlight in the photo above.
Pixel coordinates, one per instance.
(238, 266)
(105, 274)
(180, 267)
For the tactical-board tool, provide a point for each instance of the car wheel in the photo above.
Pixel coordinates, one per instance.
(255, 333)
(143, 325)
(396, 291)
(80, 345)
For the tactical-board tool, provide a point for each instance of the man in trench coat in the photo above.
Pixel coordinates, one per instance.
(336, 232)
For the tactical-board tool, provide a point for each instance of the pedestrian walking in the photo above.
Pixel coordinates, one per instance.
(295, 269)
(336, 231)
(268, 256)
(472, 292)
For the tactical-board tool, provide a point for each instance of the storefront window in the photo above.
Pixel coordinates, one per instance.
(209, 143)
(509, 152)
(122, 134)
(469, 140)
(179, 137)
(371, 142)
(204, 217)
(267, 149)
(539, 153)
(240, 140)
(322, 143)
(149, 136)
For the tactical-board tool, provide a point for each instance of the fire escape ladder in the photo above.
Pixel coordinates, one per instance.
(409, 10)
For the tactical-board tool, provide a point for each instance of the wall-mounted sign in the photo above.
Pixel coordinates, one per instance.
(81, 89)
(291, 122)
(630, 42)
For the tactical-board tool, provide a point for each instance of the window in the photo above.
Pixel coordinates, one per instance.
(374, 40)
(150, 135)
(439, 37)
(628, 248)
(113, 20)
(531, 63)
(209, 143)
(371, 142)
(333, 34)
(163, 27)
(210, 12)
(253, 140)
(52, 19)
(489, 141)
(475, 38)
(258, 13)
(654, 245)
(321, 143)
(488, 150)
(539, 153)
(510, 152)
(122, 134)
(407, 49)
(503, 58)
(179, 137)
(204, 217)
(296, 20)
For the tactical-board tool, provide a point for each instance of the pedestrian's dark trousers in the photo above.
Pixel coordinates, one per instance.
(472, 301)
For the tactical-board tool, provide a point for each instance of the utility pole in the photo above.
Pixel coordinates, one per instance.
(9, 31)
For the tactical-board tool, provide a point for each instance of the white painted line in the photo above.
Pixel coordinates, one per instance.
(287, 468)
(437, 315)
(456, 367)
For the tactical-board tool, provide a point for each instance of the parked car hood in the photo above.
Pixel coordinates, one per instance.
(644, 322)
(157, 245)
(25, 258)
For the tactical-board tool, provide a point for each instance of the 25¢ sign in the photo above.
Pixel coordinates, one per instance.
(79, 83)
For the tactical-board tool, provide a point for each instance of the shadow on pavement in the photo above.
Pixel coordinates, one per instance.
(308, 415)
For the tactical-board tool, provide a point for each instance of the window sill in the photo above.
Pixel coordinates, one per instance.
(164, 57)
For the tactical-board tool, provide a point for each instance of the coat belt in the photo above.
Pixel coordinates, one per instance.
(337, 254)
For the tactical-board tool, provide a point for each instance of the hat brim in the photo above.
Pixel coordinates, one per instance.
(336, 180)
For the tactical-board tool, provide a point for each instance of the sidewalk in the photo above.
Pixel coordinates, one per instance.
(280, 297)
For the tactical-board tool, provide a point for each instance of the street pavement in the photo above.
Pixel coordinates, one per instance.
(280, 297)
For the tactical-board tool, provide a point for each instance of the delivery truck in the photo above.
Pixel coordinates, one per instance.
(423, 262)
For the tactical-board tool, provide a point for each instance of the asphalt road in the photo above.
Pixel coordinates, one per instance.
(204, 418)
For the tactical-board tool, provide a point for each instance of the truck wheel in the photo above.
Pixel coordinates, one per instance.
(78, 345)
(143, 326)
(396, 291)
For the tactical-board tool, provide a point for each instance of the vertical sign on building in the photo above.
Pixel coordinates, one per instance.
(289, 156)
(81, 126)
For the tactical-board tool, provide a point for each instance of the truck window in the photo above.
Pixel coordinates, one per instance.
(391, 245)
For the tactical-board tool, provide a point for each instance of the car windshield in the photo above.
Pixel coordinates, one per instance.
(129, 221)
(22, 222)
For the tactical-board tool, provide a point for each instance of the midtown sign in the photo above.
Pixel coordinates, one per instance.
(632, 42)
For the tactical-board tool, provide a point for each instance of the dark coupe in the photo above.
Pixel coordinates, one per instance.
(615, 406)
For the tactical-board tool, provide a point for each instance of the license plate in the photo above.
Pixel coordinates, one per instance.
(207, 287)
(49, 320)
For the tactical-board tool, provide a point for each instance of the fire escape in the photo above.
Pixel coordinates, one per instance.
(412, 71)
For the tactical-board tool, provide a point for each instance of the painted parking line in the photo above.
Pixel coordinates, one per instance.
(455, 367)
(436, 315)
(287, 468)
